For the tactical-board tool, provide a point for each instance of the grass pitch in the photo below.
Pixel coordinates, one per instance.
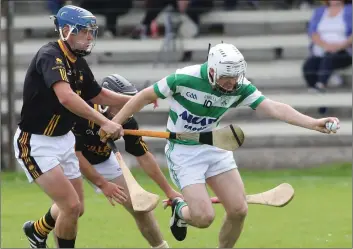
(320, 215)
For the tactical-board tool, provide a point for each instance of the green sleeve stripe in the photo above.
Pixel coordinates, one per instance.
(171, 82)
(156, 90)
(244, 92)
(256, 103)
(250, 89)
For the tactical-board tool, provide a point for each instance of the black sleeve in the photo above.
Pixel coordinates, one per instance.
(51, 66)
(134, 144)
(79, 132)
(91, 86)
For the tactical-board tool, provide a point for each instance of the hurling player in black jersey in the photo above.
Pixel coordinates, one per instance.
(100, 167)
(57, 85)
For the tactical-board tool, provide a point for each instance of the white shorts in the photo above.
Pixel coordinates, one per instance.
(192, 164)
(38, 154)
(109, 169)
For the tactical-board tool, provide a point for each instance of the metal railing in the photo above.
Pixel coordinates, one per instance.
(9, 7)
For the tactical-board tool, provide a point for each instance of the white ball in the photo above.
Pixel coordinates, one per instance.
(332, 126)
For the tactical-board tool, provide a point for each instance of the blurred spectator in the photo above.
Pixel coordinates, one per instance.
(330, 30)
(288, 4)
(111, 9)
(192, 8)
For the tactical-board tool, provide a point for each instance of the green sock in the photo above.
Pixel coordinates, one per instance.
(180, 205)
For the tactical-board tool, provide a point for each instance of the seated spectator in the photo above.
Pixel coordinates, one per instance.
(192, 8)
(330, 31)
(289, 4)
(111, 9)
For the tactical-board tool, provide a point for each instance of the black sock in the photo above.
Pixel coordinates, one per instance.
(64, 243)
(44, 225)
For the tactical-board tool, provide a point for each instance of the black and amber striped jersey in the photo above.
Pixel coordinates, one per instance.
(42, 112)
(88, 140)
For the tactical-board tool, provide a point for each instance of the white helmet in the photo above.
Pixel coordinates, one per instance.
(226, 61)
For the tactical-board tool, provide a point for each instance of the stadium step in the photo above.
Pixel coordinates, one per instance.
(281, 158)
(272, 76)
(255, 48)
(337, 104)
(231, 22)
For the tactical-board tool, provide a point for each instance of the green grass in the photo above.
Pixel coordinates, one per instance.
(319, 216)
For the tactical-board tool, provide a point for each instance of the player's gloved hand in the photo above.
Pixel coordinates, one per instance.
(110, 129)
(320, 124)
(114, 192)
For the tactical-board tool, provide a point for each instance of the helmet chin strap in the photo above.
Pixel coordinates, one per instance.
(235, 87)
(81, 53)
(77, 52)
(224, 91)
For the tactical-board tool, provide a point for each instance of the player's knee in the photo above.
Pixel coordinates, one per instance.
(239, 212)
(203, 220)
(72, 208)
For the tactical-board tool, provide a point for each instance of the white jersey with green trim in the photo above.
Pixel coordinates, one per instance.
(195, 106)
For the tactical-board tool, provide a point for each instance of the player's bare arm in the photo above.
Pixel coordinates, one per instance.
(133, 144)
(150, 166)
(111, 190)
(136, 103)
(291, 116)
(110, 98)
(77, 105)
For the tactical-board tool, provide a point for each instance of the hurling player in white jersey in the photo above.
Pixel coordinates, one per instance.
(199, 96)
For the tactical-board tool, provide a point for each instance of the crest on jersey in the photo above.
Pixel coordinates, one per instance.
(59, 61)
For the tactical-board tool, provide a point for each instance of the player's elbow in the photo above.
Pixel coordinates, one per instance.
(63, 92)
(63, 100)
(278, 110)
(273, 109)
(66, 99)
(282, 111)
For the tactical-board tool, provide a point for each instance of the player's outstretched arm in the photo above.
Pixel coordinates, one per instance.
(109, 189)
(289, 115)
(150, 166)
(135, 104)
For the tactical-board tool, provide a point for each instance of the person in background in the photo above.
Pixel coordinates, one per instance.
(289, 4)
(192, 8)
(111, 11)
(330, 32)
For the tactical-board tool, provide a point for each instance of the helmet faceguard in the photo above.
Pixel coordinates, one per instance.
(225, 63)
(82, 24)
